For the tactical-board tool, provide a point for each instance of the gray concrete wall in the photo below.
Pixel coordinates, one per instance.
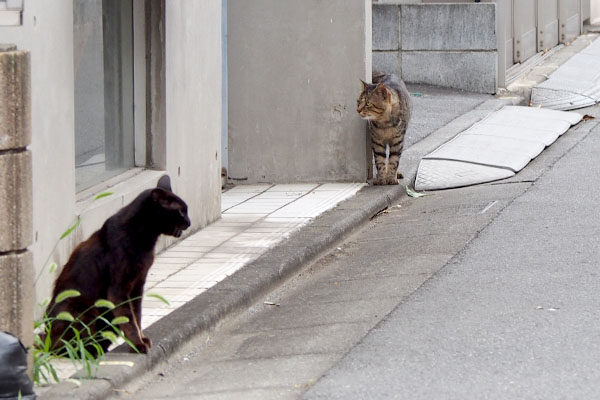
(16, 264)
(293, 74)
(449, 45)
(193, 105)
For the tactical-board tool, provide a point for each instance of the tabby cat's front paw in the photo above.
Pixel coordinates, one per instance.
(379, 181)
(391, 180)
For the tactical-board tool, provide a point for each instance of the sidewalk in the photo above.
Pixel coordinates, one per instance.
(254, 219)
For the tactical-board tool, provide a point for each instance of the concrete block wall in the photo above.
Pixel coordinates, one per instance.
(17, 297)
(47, 34)
(450, 45)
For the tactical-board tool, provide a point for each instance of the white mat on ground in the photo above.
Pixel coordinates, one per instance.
(496, 147)
(575, 84)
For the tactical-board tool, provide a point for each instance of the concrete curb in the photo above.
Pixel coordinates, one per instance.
(246, 286)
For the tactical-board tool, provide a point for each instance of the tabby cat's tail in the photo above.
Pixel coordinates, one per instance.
(376, 76)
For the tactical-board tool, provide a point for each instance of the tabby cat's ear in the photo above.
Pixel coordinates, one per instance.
(384, 91)
(363, 85)
(165, 183)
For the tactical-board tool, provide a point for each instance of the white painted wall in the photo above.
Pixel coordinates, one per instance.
(193, 84)
(595, 12)
(193, 105)
(47, 32)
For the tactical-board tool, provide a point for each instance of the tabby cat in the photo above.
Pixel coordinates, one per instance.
(386, 105)
(113, 264)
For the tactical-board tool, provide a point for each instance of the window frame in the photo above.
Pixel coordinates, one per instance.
(11, 12)
(148, 104)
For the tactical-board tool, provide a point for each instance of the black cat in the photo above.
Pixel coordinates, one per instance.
(113, 264)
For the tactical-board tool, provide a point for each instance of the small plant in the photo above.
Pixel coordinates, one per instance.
(43, 350)
(77, 342)
(77, 349)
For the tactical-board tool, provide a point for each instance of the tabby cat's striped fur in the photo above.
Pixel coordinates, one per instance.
(386, 105)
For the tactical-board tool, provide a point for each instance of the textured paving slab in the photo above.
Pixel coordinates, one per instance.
(495, 148)
(575, 84)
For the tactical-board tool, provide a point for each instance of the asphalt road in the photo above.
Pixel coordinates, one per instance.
(514, 315)
(483, 292)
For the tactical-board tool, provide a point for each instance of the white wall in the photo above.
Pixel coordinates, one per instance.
(47, 32)
(595, 12)
(193, 104)
(193, 84)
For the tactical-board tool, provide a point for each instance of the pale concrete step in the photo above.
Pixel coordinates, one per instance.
(495, 148)
(573, 85)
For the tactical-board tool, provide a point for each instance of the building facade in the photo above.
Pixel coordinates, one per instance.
(122, 92)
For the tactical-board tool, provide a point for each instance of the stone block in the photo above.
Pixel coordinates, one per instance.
(472, 71)
(385, 27)
(17, 295)
(386, 61)
(15, 201)
(15, 107)
(448, 26)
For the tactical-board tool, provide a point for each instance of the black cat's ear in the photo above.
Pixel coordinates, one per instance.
(164, 198)
(164, 183)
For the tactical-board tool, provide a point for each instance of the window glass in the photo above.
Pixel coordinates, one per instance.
(103, 63)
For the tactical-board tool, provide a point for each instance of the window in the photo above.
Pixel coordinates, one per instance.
(104, 89)
(11, 12)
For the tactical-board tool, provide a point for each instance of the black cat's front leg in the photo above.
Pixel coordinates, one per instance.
(132, 330)
(136, 309)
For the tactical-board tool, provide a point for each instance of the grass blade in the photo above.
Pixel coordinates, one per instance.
(52, 267)
(62, 296)
(74, 381)
(412, 193)
(102, 303)
(109, 335)
(71, 229)
(159, 297)
(53, 372)
(103, 194)
(120, 320)
(65, 316)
